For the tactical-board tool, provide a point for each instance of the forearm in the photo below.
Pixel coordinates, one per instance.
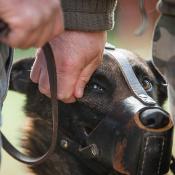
(89, 15)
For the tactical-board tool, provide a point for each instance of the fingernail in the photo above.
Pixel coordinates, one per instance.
(71, 100)
(79, 93)
(60, 96)
(66, 99)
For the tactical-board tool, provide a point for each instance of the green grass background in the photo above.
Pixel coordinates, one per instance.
(14, 119)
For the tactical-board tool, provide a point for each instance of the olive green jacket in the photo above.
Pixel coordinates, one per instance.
(89, 15)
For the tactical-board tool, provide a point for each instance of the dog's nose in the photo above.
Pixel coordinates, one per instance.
(154, 118)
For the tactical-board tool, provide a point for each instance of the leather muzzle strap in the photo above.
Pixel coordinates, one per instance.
(9, 148)
(131, 78)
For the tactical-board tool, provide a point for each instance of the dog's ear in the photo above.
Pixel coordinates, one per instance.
(161, 83)
(20, 75)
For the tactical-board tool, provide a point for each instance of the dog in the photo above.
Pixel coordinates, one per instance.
(105, 88)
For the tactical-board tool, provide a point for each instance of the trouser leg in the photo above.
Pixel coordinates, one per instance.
(164, 47)
(6, 55)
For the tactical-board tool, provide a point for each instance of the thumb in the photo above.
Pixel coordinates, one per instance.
(39, 73)
(66, 84)
(85, 76)
(36, 68)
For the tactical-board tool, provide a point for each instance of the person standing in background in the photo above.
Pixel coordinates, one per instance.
(164, 47)
(129, 20)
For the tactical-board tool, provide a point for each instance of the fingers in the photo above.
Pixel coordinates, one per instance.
(75, 63)
(71, 83)
(68, 87)
(25, 39)
(14, 38)
(85, 76)
(36, 68)
(53, 29)
(31, 24)
(66, 83)
(66, 78)
(39, 73)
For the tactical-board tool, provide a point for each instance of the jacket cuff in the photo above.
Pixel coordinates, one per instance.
(89, 15)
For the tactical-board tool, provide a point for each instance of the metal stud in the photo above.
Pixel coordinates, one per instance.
(94, 150)
(147, 99)
(64, 144)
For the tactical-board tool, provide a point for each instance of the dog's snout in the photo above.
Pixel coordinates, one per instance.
(154, 118)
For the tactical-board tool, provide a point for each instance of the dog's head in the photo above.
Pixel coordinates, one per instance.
(106, 88)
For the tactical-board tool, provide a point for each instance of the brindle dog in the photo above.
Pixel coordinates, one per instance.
(105, 88)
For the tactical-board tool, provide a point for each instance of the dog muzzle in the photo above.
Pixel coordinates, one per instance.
(134, 139)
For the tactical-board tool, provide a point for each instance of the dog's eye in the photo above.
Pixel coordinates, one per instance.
(96, 87)
(147, 85)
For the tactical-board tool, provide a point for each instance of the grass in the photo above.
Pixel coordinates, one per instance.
(13, 119)
(24, 53)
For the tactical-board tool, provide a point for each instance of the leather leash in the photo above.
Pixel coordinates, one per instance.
(8, 147)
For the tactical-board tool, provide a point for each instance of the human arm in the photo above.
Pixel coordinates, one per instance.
(78, 51)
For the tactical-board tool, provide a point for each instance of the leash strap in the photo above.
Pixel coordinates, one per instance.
(131, 78)
(9, 148)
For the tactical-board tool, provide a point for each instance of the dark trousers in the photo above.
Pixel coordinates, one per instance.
(6, 57)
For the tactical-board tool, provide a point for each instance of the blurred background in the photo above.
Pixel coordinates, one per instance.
(128, 20)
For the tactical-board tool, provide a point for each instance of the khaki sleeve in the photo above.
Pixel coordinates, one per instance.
(89, 15)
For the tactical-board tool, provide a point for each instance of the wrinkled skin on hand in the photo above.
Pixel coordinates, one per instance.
(31, 23)
(77, 55)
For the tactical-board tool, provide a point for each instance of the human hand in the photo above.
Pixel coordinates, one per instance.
(77, 55)
(31, 22)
